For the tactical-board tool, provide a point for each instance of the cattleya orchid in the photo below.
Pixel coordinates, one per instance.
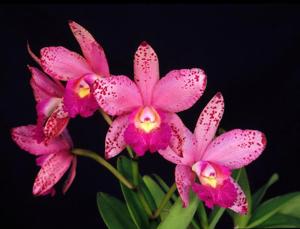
(54, 157)
(211, 160)
(63, 64)
(52, 119)
(146, 108)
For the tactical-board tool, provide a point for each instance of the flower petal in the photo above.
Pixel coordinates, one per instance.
(116, 95)
(159, 138)
(74, 104)
(63, 64)
(170, 155)
(241, 204)
(43, 87)
(224, 195)
(71, 176)
(146, 70)
(92, 51)
(179, 89)
(236, 148)
(51, 172)
(56, 123)
(184, 180)
(182, 141)
(114, 141)
(136, 139)
(24, 137)
(208, 123)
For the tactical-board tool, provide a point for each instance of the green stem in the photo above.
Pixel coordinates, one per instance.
(193, 222)
(215, 217)
(102, 161)
(144, 203)
(202, 216)
(135, 173)
(164, 201)
(129, 150)
(106, 117)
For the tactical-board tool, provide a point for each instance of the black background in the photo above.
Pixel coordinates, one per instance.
(251, 53)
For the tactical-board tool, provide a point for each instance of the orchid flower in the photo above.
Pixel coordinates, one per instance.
(212, 159)
(52, 119)
(63, 64)
(54, 157)
(146, 108)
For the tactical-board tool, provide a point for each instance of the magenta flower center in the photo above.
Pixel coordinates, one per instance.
(147, 119)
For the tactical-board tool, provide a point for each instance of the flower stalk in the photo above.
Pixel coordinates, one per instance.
(103, 162)
(164, 201)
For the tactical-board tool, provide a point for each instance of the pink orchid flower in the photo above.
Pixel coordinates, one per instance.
(55, 158)
(52, 119)
(212, 159)
(146, 108)
(63, 64)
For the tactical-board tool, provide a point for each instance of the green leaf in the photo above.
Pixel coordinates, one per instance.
(114, 212)
(270, 207)
(164, 186)
(202, 215)
(281, 221)
(179, 217)
(158, 194)
(242, 220)
(135, 208)
(259, 194)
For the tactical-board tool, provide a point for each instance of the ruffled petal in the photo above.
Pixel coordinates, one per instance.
(92, 51)
(236, 148)
(51, 172)
(116, 95)
(136, 139)
(184, 180)
(43, 87)
(159, 138)
(114, 141)
(179, 89)
(71, 176)
(24, 137)
(63, 64)
(224, 195)
(208, 123)
(146, 70)
(76, 103)
(240, 204)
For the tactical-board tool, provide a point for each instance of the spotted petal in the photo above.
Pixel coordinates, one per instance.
(208, 123)
(24, 137)
(240, 204)
(116, 95)
(71, 176)
(51, 172)
(63, 64)
(114, 141)
(236, 148)
(179, 89)
(92, 51)
(146, 70)
(184, 180)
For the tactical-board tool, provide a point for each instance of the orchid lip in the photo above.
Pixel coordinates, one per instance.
(147, 119)
(206, 173)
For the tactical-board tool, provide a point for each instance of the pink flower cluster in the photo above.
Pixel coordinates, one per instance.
(145, 119)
